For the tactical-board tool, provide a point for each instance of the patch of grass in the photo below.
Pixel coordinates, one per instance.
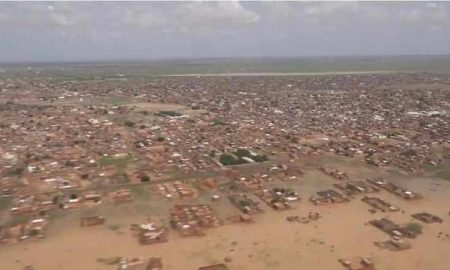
(246, 153)
(13, 221)
(5, 203)
(415, 228)
(441, 171)
(119, 162)
(129, 123)
(122, 178)
(227, 160)
(118, 101)
(169, 113)
(140, 191)
(110, 260)
(218, 122)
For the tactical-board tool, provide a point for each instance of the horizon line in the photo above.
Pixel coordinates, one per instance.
(220, 58)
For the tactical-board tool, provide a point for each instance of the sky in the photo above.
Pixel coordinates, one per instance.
(89, 31)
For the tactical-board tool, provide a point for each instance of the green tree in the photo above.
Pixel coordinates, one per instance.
(227, 159)
(129, 123)
(415, 228)
(242, 152)
(145, 178)
(260, 158)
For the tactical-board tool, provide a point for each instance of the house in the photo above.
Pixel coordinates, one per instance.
(379, 204)
(150, 233)
(427, 218)
(220, 266)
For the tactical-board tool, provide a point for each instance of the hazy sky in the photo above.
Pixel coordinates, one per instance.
(67, 31)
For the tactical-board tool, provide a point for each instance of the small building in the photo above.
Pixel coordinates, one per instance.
(220, 266)
(150, 233)
(427, 218)
(358, 263)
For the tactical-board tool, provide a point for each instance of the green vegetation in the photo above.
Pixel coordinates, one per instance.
(260, 158)
(129, 123)
(5, 203)
(122, 178)
(144, 178)
(15, 220)
(169, 113)
(218, 122)
(441, 171)
(118, 101)
(242, 153)
(119, 162)
(227, 160)
(285, 191)
(203, 66)
(415, 228)
(244, 203)
(109, 260)
(15, 171)
(276, 199)
(246, 153)
(140, 191)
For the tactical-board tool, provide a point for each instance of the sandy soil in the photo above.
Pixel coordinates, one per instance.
(270, 243)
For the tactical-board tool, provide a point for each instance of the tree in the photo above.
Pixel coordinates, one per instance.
(227, 159)
(219, 122)
(242, 152)
(260, 158)
(55, 199)
(145, 178)
(415, 228)
(169, 113)
(129, 123)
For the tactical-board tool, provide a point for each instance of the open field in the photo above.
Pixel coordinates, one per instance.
(237, 66)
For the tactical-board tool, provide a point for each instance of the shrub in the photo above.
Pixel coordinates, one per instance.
(169, 113)
(242, 152)
(219, 122)
(129, 123)
(227, 159)
(110, 260)
(415, 228)
(145, 178)
(260, 158)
